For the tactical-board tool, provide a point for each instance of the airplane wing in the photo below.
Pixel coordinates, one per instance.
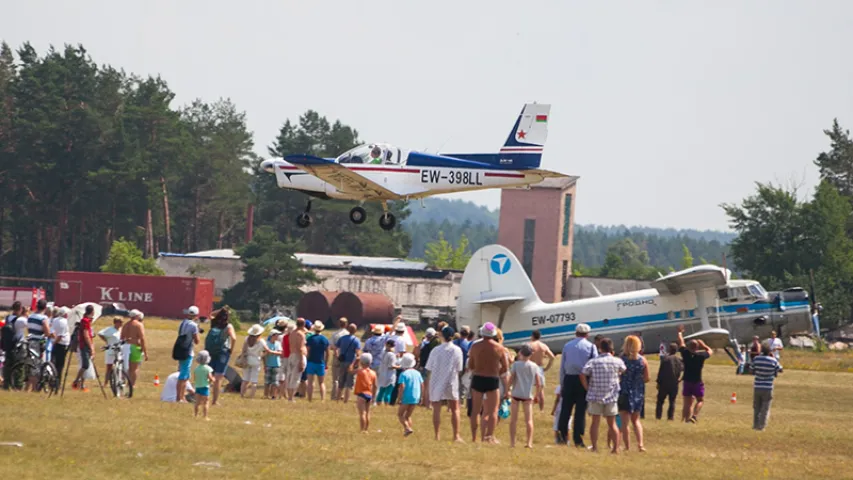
(342, 177)
(695, 278)
(546, 173)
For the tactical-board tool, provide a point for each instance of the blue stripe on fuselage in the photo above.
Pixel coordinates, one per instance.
(483, 161)
(611, 323)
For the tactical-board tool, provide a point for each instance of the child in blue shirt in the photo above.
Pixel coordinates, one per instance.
(273, 365)
(411, 383)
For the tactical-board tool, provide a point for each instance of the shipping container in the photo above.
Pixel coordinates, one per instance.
(363, 308)
(153, 295)
(316, 305)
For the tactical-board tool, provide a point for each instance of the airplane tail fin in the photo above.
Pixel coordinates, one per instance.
(493, 281)
(523, 147)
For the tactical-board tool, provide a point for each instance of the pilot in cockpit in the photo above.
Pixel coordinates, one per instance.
(376, 156)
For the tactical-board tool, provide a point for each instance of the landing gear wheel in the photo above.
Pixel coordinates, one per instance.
(303, 220)
(387, 221)
(357, 215)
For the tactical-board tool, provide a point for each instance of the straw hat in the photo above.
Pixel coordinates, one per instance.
(318, 326)
(256, 330)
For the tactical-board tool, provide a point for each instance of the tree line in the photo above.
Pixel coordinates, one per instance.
(785, 238)
(91, 154)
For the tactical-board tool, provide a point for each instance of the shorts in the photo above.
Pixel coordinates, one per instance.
(485, 384)
(542, 377)
(109, 357)
(693, 389)
(366, 396)
(135, 354)
(271, 376)
(202, 391)
(345, 378)
(220, 362)
(294, 370)
(184, 368)
(318, 369)
(250, 374)
(85, 357)
(603, 409)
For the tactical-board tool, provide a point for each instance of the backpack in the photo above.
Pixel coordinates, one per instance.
(183, 344)
(214, 342)
(7, 334)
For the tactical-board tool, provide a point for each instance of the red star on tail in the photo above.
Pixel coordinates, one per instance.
(522, 134)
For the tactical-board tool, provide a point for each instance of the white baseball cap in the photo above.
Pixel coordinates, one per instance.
(430, 332)
(400, 327)
(136, 314)
(193, 310)
(582, 328)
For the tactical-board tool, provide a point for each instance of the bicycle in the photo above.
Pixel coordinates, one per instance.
(118, 378)
(28, 363)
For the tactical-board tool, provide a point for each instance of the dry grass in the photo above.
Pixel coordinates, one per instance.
(85, 436)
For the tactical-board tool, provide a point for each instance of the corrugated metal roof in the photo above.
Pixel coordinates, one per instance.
(320, 261)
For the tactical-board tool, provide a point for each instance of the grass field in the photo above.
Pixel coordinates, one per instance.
(84, 436)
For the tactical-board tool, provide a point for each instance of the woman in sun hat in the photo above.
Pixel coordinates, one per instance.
(375, 346)
(253, 348)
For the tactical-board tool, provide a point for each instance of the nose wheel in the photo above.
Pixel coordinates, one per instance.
(387, 221)
(357, 215)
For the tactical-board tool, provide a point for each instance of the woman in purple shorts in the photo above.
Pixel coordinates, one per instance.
(694, 354)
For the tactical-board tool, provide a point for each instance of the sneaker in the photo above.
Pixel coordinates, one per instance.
(693, 419)
(85, 390)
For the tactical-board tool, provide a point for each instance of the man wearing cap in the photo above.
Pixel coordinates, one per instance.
(348, 348)
(576, 353)
(187, 327)
(133, 333)
(444, 367)
(400, 350)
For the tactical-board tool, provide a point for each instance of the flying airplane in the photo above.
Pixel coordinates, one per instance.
(722, 312)
(383, 172)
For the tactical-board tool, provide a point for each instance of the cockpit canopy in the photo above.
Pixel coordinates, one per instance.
(372, 153)
(742, 290)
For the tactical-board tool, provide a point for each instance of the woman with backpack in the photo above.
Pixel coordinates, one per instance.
(218, 343)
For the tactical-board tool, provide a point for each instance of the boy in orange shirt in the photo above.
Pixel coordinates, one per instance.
(365, 389)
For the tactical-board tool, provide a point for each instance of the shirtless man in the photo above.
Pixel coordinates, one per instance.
(540, 353)
(296, 360)
(134, 334)
(488, 364)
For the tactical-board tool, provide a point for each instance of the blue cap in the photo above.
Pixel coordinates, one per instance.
(307, 323)
(447, 332)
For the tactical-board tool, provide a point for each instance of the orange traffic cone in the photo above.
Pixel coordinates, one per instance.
(734, 397)
(156, 380)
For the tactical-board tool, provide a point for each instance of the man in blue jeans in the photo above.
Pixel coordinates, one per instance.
(188, 326)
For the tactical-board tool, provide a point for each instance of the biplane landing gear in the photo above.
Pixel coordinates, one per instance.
(304, 220)
(357, 215)
(387, 221)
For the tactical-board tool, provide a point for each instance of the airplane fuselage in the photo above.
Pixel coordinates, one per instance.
(421, 181)
(656, 316)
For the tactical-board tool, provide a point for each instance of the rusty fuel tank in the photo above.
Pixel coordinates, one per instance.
(316, 305)
(363, 308)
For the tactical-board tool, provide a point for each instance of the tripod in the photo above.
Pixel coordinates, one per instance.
(75, 344)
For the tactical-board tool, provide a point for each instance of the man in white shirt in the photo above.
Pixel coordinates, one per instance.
(445, 365)
(111, 336)
(61, 339)
(187, 327)
(776, 345)
(169, 392)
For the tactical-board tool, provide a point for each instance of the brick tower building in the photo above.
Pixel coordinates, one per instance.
(537, 225)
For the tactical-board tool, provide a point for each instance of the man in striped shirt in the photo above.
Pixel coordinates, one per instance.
(765, 367)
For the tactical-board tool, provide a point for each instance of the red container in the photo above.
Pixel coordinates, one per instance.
(159, 296)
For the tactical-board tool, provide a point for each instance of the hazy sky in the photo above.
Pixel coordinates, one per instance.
(665, 109)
